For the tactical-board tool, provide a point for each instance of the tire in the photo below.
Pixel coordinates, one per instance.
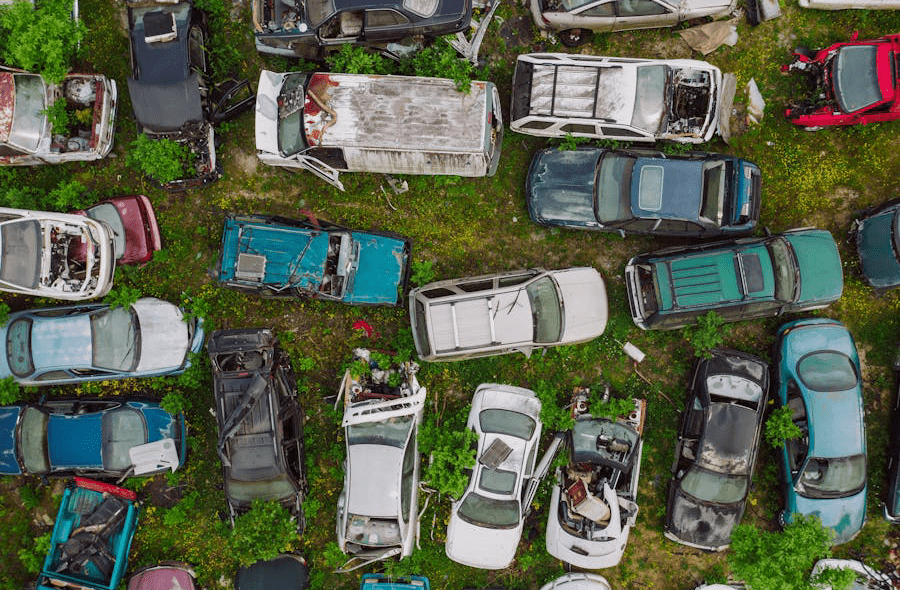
(575, 37)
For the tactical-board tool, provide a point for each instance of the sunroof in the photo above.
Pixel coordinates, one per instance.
(753, 277)
(650, 191)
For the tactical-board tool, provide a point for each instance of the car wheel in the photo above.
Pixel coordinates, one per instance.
(575, 37)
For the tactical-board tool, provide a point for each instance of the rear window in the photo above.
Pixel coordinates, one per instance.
(827, 371)
(507, 422)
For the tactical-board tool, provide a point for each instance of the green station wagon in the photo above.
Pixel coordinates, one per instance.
(739, 279)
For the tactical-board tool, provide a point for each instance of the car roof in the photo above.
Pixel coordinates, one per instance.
(252, 448)
(374, 474)
(729, 438)
(472, 320)
(670, 188)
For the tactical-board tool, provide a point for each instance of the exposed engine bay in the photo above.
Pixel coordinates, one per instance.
(692, 93)
(71, 258)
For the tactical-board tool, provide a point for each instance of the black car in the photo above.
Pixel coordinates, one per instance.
(877, 237)
(300, 28)
(892, 501)
(716, 449)
(170, 88)
(260, 420)
(285, 572)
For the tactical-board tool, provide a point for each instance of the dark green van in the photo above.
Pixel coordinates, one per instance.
(739, 279)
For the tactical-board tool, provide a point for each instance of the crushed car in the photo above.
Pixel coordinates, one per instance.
(309, 29)
(56, 255)
(99, 437)
(716, 449)
(91, 537)
(622, 98)
(280, 257)
(849, 83)
(260, 421)
(170, 89)
(27, 137)
(593, 505)
(377, 509)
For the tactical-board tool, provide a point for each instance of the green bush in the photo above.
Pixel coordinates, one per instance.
(32, 558)
(708, 333)
(780, 427)
(43, 39)
(163, 160)
(122, 296)
(60, 122)
(451, 451)
(554, 415)
(355, 59)
(613, 408)
(422, 273)
(174, 403)
(10, 392)
(261, 533)
(440, 60)
(4, 314)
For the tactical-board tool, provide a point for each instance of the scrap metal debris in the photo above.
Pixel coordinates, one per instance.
(710, 36)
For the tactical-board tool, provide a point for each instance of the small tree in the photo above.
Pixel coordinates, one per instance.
(780, 427)
(40, 39)
(163, 160)
(451, 452)
(263, 532)
(708, 333)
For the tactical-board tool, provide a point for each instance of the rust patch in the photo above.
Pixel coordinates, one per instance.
(7, 104)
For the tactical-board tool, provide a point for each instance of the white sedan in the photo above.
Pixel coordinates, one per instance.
(486, 523)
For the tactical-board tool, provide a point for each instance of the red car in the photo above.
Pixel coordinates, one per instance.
(134, 226)
(853, 83)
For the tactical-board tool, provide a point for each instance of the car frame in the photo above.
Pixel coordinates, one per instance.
(259, 419)
(593, 505)
(112, 437)
(459, 318)
(875, 234)
(743, 278)
(640, 191)
(66, 351)
(850, 83)
(486, 522)
(815, 361)
(377, 509)
(717, 447)
(58, 255)
(279, 257)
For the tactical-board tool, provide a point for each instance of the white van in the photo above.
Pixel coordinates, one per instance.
(327, 123)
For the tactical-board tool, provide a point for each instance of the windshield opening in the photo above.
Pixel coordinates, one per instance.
(827, 371)
(114, 339)
(122, 429)
(488, 512)
(392, 432)
(497, 481)
(710, 486)
(18, 347)
(714, 192)
(649, 100)
(856, 77)
(28, 118)
(108, 214)
(787, 284)
(545, 310)
(832, 478)
(20, 255)
(612, 198)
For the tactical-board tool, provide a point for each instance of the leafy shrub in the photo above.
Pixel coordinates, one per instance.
(122, 296)
(780, 427)
(422, 273)
(611, 408)
(181, 514)
(451, 450)
(333, 556)
(174, 403)
(68, 196)
(555, 416)
(261, 533)
(570, 142)
(163, 160)
(440, 60)
(354, 59)
(58, 116)
(4, 314)
(10, 392)
(708, 333)
(40, 39)
(224, 57)
(32, 558)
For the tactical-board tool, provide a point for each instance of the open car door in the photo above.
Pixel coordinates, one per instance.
(320, 169)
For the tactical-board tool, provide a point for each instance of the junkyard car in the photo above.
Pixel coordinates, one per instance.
(643, 192)
(306, 29)
(877, 237)
(385, 582)
(55, 255)
(594, 502)
(486, 522)
(286, 572)
(578, 581)
(850, 4)
(167, 576)
(517, 311)
(573, 20)
(26, 136)
(91, 538)
(867, 578)
(260, 420)
(169, 86)
(818, 378)
(280, 257)
(892, 496)
(99, 437)
(377, 510)
(740, 279)
(716, 451)
(559, 94)
(133, 223)
(93, 342)
(849, 83)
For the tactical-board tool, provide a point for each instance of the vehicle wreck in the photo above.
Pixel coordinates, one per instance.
(26, 135)
(593, 504)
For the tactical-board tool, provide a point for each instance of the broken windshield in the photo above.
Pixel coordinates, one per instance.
(787, 275)
(392, 432)
(832, 478)
(290, 115)
(856, 77)
(709, 486)
(29, 117)
(489, 512)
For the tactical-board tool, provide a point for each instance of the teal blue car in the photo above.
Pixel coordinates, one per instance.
(280, 257)
(823, 471)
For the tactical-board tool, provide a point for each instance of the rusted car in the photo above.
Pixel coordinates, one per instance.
(26, 135)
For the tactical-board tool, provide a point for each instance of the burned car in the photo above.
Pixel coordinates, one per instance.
(377, 510)
(55, 255)
(594, 502)
(716, 450)
(308, 29)
(170, 88)
(260, 421)
(558, 94)
(280, 257)
(26, 135)
(850, 83)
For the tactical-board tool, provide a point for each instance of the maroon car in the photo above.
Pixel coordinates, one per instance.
(134, 226)
(851, 83)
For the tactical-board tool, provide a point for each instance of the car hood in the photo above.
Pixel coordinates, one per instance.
(9, 415)
(560, 187)
(380, 269)
(584, 301)
(164, 335)
(267, 92)
(701, 524)
(845, 516)
(374, 475)
(877, 257)
(481, 547)
(821, 275)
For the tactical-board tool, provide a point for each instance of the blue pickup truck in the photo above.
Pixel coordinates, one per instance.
(91, 538)
(280, 257)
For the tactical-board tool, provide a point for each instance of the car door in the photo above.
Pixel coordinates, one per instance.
(641, 14)
(597, 16)
(385, 25)
(796, 450)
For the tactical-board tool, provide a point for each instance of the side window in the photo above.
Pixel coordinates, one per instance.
(578, 128)
(537, 125)
(384, 18)
(89, 372)
(474, 286)
(406, 479)
(797, 448)
(619, 132)
(600, 10)
(345, 24)
(760, 308)
(52, 375)
(640, 225)
(514, 280)
(437, 292)
(640, 8)
(680, 226)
